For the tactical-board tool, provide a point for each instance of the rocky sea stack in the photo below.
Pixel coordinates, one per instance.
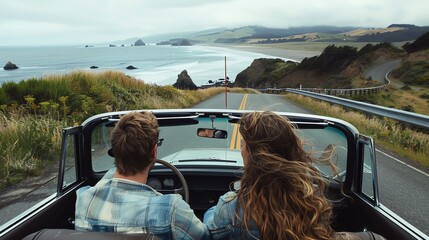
(139, 43)
(182, 42)
(184, 81)
(131, 67)
(10, 66)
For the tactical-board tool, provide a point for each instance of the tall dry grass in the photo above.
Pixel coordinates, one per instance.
(386, 132)
(27, 143)
(34, 112)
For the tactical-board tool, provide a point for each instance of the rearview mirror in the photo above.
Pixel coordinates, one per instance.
(212, 133)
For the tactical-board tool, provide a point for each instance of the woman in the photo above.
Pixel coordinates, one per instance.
(278, 198)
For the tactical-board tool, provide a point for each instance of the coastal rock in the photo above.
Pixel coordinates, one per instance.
(256, 75)
(184, 81)
(182, 42)
(139, 43)
(93, 67)
(10, 66)
(164, 43)
(131, 67)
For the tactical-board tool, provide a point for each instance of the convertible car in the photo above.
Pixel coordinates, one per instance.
(200, 159)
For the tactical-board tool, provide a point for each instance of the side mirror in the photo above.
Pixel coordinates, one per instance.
(212, 133)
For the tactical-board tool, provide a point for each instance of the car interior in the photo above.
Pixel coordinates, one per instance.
(85, 159)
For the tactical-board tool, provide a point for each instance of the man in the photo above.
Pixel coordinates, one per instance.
(122, 202)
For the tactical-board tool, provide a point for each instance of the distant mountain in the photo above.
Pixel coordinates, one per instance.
(166, 37)
(248, 34)
(405, 33)
(264, 35)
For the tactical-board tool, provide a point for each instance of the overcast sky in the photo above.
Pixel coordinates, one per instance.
(35, 22)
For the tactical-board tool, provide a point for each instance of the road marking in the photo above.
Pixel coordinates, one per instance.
(236, 136)
(418, 170)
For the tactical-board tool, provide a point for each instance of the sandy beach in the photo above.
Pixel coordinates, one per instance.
(296, 55)
(294, 50)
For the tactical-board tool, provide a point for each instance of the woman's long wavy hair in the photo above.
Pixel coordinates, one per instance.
(281, 191)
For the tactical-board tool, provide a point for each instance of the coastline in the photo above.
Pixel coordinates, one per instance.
(297, 54)
(296, 51)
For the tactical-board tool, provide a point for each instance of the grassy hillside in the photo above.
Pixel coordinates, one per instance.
(33, 113)
(81, 94)
(414, 69)
(335, 67)
(264, 35)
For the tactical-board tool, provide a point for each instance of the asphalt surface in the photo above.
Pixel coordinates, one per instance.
(378, 72)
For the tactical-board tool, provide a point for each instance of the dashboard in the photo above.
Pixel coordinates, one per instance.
(205, 185)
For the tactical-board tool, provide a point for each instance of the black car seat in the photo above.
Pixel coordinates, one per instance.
(69, 234)
(367, 235)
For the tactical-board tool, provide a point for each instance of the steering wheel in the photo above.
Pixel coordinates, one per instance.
(184, 190)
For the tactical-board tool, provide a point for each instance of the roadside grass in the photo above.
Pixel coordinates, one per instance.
(81, 94)
(27, 143)
(408, 98)
(33, 113)
(387, 133)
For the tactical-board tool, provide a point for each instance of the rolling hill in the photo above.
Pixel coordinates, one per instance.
(263, 35)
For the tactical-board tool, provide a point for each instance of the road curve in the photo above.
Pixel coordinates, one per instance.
(378, 72)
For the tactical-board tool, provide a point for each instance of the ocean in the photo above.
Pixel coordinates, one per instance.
(156, 64)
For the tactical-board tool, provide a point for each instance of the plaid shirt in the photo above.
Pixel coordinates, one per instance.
(123, 206)
(222, 222)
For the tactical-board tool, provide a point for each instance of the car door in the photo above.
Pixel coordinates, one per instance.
(57, 210)
(374, 216)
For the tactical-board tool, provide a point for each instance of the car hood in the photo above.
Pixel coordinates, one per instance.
(205, 156)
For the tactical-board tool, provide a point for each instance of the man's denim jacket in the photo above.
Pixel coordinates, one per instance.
(118, 205)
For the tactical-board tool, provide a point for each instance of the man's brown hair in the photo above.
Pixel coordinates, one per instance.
(133, 139)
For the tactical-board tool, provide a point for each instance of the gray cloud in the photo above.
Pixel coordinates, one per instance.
(79, 21)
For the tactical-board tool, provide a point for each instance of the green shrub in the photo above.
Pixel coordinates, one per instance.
(425, 96)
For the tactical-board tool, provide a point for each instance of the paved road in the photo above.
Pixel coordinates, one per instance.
(254, 102)
(404, 190)
(378, 72)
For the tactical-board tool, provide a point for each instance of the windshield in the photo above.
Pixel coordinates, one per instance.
(181, 144)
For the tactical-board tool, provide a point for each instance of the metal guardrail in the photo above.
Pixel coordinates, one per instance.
(400, 115)
(416, 119)
(351, 91)
(338, 91)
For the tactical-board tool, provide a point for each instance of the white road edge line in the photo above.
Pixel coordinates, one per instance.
(418, 170)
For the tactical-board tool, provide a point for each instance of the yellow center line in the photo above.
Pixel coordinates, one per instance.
(236, 136)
